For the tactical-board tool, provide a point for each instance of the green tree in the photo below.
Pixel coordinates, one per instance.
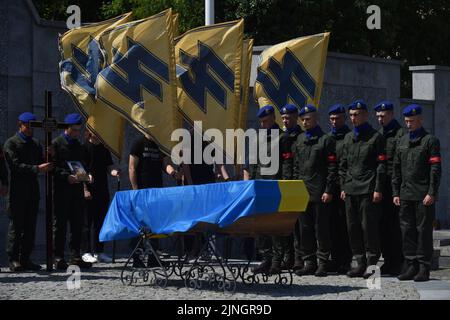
(191, 12)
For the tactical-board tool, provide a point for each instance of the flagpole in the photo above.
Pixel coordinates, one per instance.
(209, 12)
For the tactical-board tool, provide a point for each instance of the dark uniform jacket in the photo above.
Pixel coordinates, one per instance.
(338, 138)
(315, 163)
(23, 157)
(417, 167)
(3, 170)
(392, 133)
(287, 140)
(255, 169)
(362, 166)
(65, 151)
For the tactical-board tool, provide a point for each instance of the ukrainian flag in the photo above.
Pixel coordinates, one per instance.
(209, 77)
(139, 80)
(292, 72)
(80, 65)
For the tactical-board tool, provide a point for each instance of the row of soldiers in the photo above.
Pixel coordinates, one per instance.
(371, 192)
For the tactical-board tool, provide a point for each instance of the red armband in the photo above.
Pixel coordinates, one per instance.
(382, 157)
(332, 158)
(434, 160)
(287, 155)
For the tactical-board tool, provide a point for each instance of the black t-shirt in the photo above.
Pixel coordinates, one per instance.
(201, 173)
(98, 159)
(149, 169)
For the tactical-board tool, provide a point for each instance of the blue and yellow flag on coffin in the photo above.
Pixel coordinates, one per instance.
(292, 72)
(80, 65)
(209, 58)
(247, 54)
(139, 79)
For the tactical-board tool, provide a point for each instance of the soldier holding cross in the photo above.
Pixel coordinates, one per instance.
(24, 156)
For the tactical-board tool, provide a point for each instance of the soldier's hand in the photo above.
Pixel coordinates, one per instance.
(115, 172)
(87, 195)
(396, 201)
(326, 197)
(377, 197)
(343, 195)
(91, 179)
(428, 201)
(45, 167)
(72, 179)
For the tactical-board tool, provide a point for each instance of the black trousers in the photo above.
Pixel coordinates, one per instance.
(282, 248)
(315, 241)
(22, 213)
(341, 253)
(69, 206)
(390, 232)
(264, 248)
(416, 221)
(94, 215)
(363, 218)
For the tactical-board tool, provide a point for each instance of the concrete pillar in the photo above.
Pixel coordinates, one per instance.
(433, 83)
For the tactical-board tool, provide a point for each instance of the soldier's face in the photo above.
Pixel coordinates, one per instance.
(413, 123)
(26, 129)
(289, 120)
(337, 120)
(74, 131)
(385, 117)
(358, 117)
(309, 120)
(267, 122)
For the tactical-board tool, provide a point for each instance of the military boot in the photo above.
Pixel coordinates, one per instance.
(359, 270)
(15, 266)
(80, 263)
(423, 274)
(372, 262)
(263, 267)
(28, 265)
(298, 264)
(410, 272)
(309, 268)
(60, 264)
(288, 262)
(321, 270)
(275, 267)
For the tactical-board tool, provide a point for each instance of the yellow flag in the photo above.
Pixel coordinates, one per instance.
(176, 24)
(139, 80)
(80, 65)
(292, 72)
(247, 54)
(209, 74)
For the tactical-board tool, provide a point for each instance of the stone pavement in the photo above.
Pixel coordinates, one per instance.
(103, 282)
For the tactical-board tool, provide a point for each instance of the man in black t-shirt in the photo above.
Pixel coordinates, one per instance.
(99, 164)
(146, 165)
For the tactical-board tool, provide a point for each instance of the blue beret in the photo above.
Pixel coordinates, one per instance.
(357, 105)
(336, 109)
(289, 108)
(27, 117)
(383, 106)
(412, 110)
(73, 119)
(307, 109)
(265, 111)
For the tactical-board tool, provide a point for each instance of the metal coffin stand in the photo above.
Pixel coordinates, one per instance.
(208, 267)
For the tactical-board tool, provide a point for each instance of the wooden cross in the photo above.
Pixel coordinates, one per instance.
(48, 124)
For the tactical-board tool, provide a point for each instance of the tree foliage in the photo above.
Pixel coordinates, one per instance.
(413, 31)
